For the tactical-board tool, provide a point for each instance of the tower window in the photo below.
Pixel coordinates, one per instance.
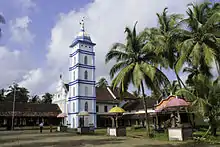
(74, 91)
(106, 108)
(86, 75)
(86, 106)
(74, 75)
(86, 91)
(73, 107)
(97, 108)
(85, 60)
(74, 60)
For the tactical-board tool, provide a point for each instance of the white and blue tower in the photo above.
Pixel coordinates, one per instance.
(82, 91)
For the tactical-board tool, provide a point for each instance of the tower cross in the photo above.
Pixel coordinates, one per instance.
(82, 24)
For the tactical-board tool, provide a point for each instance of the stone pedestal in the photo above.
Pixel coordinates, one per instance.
(121, 131)
(83, 130)
(62, 128)
(179, 133)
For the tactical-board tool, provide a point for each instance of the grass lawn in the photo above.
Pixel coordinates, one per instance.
(32, 138)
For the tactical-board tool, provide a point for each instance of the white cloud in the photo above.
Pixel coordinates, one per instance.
(105, 22)
(26, 5)
(13, 65)
(20, 32)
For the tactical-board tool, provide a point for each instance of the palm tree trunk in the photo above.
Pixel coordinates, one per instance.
(217, 68)
(145, 108)
(179, 80)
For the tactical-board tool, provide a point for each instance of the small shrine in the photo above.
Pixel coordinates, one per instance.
(116, 113)
(172, 114)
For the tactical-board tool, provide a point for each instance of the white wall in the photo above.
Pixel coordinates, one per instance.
(90, 88)
(91, 104)
(90, 74)
(89, 59)
(85, 47)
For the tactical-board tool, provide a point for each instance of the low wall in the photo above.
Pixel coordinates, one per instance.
(29, 128)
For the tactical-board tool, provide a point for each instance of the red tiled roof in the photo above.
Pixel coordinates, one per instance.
(29, 109)
(102, 94)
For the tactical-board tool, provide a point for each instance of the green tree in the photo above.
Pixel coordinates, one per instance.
(199, 42)
(205, 96)
(172, 88)
(34, 99)
(47, 98)
(102, 83)
(21, 94)
(136, 64)
(2, 95)
(2, 20)
(164, 41)
(192, 72)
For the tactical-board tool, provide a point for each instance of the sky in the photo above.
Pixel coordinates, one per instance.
(34, 48)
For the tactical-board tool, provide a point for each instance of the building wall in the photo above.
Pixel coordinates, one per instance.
(81, 87)
(101, 107)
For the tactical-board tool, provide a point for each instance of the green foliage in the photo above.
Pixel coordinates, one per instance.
(102, 83)
(21, 94)
(35, 99)
(2, 95)
(205, 98)
(2, 20)
(47, 98)
(199, 42)
(136, 64)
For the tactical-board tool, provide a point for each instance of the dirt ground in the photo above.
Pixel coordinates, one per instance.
(55, 139)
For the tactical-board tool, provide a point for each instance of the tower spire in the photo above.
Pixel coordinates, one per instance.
(82, 24)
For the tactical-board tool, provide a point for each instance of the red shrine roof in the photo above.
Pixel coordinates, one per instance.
(171, 101)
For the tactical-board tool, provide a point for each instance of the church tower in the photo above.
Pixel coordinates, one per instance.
(82, 91)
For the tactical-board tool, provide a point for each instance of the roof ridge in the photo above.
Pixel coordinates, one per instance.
(112, 94)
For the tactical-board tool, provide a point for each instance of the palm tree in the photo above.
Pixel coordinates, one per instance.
(2, 95)
(193, 72)
(164, 41)
(2, 20)
(199, 42)
(34, 99)
(21, 94)
(136, 64)
(172, 88)
(47, 98)
(205, 99)
(102, 83)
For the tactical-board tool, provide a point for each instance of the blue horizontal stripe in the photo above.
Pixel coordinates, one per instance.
(78, 112)
(82, 81)
(81, 40)
(91, 97)
(81, 99)
(83, 52)
(82, 66)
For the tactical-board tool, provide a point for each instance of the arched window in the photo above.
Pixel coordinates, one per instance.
(86, 60)
(86, 91)
(73, 107)
(74, 91)
(74, 75)
(74, 60)
(86, 106)
(86, 75)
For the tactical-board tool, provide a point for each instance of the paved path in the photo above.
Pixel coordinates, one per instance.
(46, 139)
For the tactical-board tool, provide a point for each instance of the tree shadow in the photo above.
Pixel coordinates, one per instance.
(36, 137)
(73, 143)
(188, 144)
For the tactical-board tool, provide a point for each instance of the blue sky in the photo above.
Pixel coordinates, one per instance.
(34, 46)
